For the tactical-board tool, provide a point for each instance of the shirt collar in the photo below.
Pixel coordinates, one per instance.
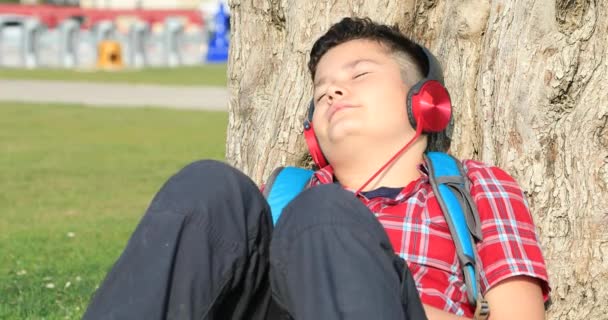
(325, 175)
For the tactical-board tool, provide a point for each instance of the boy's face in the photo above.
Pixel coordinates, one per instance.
(360, 98)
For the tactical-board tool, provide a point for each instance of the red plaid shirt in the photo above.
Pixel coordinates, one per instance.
(419, 233)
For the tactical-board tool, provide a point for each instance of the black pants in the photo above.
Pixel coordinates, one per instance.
(206, 249)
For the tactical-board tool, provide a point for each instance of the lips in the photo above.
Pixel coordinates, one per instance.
(337, 107)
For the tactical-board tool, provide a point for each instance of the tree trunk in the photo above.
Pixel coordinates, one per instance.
(528, 83)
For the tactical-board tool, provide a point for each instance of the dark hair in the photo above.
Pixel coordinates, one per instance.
(364, 28)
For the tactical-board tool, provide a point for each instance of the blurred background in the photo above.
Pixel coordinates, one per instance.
(113, 34)
(101, 101)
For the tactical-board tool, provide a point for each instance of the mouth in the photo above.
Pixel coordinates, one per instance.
(337, 107)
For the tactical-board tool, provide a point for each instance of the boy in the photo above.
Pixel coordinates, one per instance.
(206, 248)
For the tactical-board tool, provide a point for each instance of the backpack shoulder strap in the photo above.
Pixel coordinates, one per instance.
(451, 187)
(284, 184)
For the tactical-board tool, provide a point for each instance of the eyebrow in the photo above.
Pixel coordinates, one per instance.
(349, 65)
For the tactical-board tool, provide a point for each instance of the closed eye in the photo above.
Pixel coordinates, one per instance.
(321, 97)
(358, 75)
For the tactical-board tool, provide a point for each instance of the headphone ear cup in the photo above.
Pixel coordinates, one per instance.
(313, 145)
(429, 106)
(409, 104)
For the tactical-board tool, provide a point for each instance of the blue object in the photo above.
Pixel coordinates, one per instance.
(217, 49)
(287, 184)
(449, 185)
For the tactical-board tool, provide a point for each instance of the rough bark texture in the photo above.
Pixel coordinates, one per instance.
(528, 82)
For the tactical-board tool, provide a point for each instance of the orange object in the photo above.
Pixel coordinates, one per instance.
(109, 55)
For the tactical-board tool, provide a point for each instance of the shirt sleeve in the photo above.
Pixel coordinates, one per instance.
(510, 245)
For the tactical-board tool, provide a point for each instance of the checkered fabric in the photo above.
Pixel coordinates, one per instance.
(417, 229)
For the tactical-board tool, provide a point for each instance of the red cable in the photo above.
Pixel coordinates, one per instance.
(418, 133)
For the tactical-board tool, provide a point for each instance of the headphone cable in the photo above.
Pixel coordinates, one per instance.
(418, 133)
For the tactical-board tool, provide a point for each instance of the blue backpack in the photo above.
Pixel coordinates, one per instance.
(451, 187)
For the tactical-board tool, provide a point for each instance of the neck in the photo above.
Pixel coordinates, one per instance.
(357, 167)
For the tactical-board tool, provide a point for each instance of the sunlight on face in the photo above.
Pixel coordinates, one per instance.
(360, 97)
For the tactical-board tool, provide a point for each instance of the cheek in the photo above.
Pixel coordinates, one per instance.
(390, 111)
(320, 125)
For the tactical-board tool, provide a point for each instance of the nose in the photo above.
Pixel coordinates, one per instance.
(335, 91)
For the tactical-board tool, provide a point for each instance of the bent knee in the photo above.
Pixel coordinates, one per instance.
(213, 174)
(321, 199)
(208, 168)
(324, 204)
(210, 184)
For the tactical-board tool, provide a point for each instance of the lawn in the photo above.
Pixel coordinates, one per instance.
(74, 182)
(210, 75)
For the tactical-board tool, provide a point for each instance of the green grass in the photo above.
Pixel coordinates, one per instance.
(210, 75)
(74, 182)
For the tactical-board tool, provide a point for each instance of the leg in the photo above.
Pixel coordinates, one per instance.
(331, 259)
(200, 252)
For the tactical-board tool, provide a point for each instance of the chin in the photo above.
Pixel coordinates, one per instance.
(343, 131)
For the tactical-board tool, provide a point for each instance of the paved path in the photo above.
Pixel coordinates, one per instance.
(125, 95)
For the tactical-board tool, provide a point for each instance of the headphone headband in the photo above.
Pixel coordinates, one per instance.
(434, 72)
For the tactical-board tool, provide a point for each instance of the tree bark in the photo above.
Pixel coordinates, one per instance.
(528, 83)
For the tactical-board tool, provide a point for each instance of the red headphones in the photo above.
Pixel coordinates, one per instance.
(428, 105)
